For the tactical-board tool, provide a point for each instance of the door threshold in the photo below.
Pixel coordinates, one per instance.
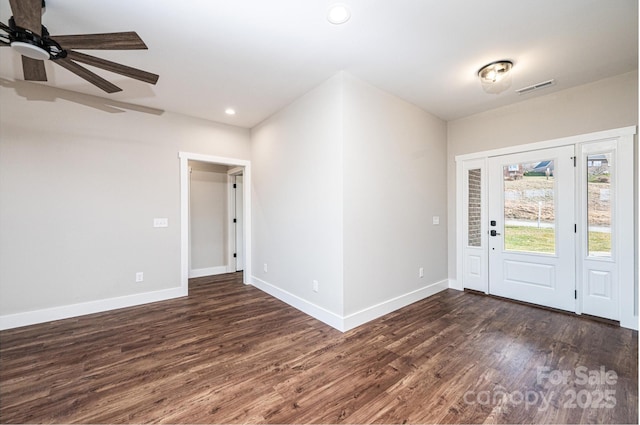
(609, 322)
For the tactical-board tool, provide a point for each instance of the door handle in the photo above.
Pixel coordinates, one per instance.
(494, 233)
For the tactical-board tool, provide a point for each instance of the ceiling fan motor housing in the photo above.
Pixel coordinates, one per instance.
(29, 44)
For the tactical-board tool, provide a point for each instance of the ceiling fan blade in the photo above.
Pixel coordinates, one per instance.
(108, 41)
(84, 73)
(33, 69)
(28, 14)
(127, 71)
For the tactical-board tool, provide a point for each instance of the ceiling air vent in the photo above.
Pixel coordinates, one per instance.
(536, 86)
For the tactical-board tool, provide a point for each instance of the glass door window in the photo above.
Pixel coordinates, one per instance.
(599, 168)
(529, 207)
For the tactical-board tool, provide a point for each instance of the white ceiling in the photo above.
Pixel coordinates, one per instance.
(259, 55)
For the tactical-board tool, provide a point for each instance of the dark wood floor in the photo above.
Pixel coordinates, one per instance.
(229, 353)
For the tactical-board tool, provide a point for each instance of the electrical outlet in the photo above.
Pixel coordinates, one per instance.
(315, 286)
(421, 272)
(436, 219)
(139, 277)
(265, 267)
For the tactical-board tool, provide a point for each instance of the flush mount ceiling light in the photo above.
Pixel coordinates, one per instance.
(338, 14)
(496, 76)
(230, 111)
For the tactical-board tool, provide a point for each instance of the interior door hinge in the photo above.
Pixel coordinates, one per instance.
(575, 228)
(235, 255)
(234, 185)
(575, 294)
(574, 160)
(235, 220)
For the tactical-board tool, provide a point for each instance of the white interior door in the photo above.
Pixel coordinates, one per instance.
(532, 227)
(239, 223)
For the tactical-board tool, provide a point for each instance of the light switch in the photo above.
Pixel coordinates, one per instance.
(436, 219)
(160, 222)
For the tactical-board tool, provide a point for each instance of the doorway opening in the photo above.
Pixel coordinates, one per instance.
(238, 242)
(210, 220)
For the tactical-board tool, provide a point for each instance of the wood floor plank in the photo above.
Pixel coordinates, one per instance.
(228, 353)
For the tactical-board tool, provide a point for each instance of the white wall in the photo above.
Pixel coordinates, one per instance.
(348, 151)
(602, 105)
(394, 183)
(297, 199)
(80, 185)
(208, 218)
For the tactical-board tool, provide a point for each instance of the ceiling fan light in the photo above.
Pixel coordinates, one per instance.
(496, 76)
(30, 50)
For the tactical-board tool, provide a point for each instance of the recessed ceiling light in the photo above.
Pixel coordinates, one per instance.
(230, 111)
(338, 14)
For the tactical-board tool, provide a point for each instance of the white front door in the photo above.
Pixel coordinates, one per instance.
(532, 227)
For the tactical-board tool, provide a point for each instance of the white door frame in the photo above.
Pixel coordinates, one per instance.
(626, 244)
(185, 157)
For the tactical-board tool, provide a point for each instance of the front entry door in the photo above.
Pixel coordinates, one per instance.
(532, 227)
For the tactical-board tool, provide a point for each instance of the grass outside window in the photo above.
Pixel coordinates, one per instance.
(533, 239)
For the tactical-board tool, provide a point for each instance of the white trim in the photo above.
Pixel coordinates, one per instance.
(553, 143)
(185, 157)
(246, 224)
(229, 224)
(459, 224)
(626, 243)
(455, 284)
(236, 171)
(27, 318)
(332, 319)
(208, 271)
(358, 318)
(184, 223)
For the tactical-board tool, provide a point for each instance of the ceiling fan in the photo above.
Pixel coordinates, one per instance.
(26, 35)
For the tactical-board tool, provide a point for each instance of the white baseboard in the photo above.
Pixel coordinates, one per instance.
(370, 313)
(209, 271)
(453, 284)
(341, 323)
(27, 318)
(345, 323)
(332, 319)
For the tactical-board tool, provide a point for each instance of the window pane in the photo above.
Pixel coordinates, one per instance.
(474, 212)
(599, 204)
(529, 210)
